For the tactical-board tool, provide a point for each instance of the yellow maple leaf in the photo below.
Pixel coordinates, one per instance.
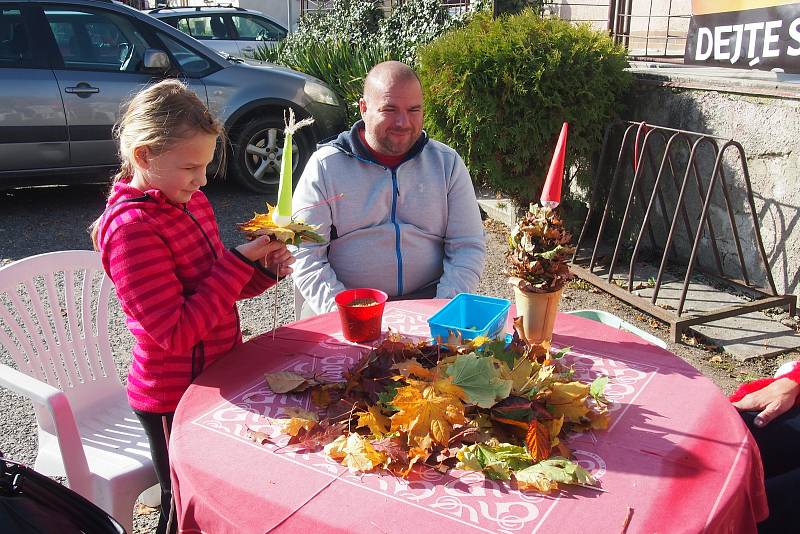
(426, 413)
(415, 454)
(545, 372)
(445, 386)
(599, 421)
(520, 375)
(374, 420)
(299, 419)
(537, 482)
(262, 224)
(355, 452)
(412, 367)
(440, 386)
(478, 341)
(554, 425)
(568, 399)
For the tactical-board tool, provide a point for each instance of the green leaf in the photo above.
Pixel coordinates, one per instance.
(515, 456)
(550, 254)
(498, 350)
(557, 469)
(496, 462)
(479, 379)
(598, 387)
(561, 353)
(386, 396)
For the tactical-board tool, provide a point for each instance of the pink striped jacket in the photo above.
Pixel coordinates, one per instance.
(178, 287)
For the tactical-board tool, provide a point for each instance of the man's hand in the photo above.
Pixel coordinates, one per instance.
(773, 400)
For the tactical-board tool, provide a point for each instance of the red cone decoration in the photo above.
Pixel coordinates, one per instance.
(551, 193)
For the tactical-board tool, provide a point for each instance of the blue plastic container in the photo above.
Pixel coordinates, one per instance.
(471, 316)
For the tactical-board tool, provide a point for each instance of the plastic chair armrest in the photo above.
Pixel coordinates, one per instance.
(57, 404)
(39, 392)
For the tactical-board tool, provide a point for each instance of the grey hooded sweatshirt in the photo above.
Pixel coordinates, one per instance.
(394, 229)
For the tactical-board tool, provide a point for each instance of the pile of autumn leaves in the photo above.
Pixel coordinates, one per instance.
(483, 406)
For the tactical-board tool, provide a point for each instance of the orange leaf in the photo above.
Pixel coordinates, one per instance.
(538, 441)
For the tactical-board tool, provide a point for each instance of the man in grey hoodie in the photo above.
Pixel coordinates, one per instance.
(405, 219)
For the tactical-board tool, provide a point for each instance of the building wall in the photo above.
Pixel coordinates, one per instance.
(280, 10)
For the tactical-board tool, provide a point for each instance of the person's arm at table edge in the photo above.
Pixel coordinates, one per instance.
(771, 397)
(464, 242)
(313, 275)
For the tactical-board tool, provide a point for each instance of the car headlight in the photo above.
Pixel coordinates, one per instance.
(321, 93)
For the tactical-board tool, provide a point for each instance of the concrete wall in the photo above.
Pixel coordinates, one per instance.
(764, 116)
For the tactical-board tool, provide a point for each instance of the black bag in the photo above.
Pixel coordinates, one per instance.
(33, 503)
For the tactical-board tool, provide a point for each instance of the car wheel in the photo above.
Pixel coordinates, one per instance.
(258, 153)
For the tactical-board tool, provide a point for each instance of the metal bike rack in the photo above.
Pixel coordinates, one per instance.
(650, 193)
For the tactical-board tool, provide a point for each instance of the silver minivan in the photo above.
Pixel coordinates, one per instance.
(68, 66)
(233, 30)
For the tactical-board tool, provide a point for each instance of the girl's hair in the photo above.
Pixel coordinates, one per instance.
(157, 117)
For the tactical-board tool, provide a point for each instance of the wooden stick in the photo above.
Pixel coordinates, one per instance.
(275, 302)
(627, 520)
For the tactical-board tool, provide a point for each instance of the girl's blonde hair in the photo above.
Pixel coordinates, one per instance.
(157, 117)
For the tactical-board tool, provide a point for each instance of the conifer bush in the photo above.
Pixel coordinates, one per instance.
(498, 91)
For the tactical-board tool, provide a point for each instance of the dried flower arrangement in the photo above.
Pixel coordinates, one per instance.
(539, 249)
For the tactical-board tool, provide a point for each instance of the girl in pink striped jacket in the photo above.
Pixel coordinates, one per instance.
(160, 245)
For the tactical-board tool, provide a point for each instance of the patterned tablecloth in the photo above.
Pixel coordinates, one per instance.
(676, 457)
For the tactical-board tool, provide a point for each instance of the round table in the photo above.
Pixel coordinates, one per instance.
(675, 458)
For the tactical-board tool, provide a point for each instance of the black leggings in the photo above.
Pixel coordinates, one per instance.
(779, 444)
(158, 427)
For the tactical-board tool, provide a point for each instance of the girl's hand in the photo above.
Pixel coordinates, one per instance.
(269, 253)
(278, 259)
(772, 401)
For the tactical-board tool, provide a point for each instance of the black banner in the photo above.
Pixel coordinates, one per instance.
(766, 38)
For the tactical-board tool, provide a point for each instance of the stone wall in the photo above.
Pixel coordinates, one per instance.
(763, 115)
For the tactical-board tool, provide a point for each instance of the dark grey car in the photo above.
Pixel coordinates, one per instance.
(66, 68)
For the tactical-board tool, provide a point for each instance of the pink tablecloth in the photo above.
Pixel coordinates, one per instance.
(676, 453)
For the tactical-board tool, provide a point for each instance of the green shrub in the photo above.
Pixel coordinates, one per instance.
(351, 21)
(412, 24)
(342, 44)
(498, 91)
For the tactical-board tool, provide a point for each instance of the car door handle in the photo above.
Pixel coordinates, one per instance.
(248, 49)
(82, 89)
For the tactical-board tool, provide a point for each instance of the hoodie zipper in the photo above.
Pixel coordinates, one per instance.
(198, 351)
(398, 252)
(197, 223)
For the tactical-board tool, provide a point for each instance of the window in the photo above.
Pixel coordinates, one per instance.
(205, 27)
(191, 63)
(15, 48)
(257, 29)
(96, 40)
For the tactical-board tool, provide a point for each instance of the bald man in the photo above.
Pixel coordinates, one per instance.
(407, 222)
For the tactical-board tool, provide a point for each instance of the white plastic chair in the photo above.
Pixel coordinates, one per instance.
(54, 313)
(612, 320)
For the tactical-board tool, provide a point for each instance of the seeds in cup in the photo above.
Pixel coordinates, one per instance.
(363, 303)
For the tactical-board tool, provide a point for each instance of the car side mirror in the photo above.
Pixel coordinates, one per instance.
(156, 60)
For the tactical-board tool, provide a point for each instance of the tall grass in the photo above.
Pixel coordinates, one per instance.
(340, 64)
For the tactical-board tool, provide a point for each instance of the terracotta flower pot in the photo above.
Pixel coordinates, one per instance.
(538, 315)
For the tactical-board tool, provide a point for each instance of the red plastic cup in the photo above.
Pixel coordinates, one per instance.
(361, 323)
